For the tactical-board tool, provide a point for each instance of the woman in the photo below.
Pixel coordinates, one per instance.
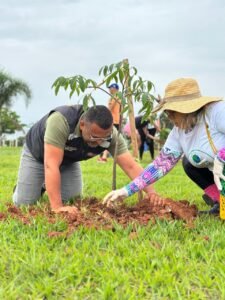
(198, 133)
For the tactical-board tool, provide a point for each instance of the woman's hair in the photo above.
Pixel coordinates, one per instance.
(191, 119)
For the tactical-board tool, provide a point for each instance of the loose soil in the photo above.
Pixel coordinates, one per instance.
(93, 214)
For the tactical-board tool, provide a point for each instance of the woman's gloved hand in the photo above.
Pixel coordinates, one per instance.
(218, 172)
(115, 196)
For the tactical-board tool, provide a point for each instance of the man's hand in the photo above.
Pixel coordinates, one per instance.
(218, 172)
(118, 195)
(67, 209)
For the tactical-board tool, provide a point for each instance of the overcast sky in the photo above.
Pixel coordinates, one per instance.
(43, 39)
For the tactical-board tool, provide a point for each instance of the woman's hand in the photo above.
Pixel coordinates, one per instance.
(218, 172)
(115, 196)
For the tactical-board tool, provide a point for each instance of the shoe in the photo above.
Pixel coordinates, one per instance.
(209, 201)
(102, 160)
(215, 210)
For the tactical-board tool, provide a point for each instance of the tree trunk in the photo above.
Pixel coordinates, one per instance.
(131, 115)
(132, 121)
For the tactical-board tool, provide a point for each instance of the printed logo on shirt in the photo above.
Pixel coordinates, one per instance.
(72, 136)
(68, 148)
(200, 159)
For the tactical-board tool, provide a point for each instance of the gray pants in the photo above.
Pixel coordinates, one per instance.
(31, 179)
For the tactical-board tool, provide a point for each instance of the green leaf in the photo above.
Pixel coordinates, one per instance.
(73, 83)
(144, 98)
(135, 84)
(105, 70)
(149, 86)
(135, 70)
(126, 108)
(111, 68)
(71, 93)
(93, 83)
(100, 71)
(121, 75)
(93, 100)
(55, 83)
(57, 89)
(119, 95)
(108, 80)
(82, 83)
(85, 102)
(66, 85)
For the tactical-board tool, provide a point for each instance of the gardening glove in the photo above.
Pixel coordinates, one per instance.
(118, 195)
(218, 172)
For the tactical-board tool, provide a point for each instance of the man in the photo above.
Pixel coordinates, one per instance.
(114, 106)
(54, 147)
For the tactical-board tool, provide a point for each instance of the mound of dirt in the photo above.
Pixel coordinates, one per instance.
(93, 214)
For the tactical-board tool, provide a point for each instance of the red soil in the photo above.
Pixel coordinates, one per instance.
(92, 213)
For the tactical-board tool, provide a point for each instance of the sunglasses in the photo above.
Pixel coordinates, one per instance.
(93, 138)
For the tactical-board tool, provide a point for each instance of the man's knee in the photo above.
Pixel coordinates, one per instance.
(21, 198)
(71, 195)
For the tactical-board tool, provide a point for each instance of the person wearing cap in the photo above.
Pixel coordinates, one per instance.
(114, 107)
(198, 136)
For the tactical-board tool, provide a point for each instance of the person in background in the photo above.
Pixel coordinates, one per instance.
(144, 134)
(198, 136)
(152, 129)
(114, 107)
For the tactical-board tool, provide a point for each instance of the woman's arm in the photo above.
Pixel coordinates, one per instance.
(166, 160)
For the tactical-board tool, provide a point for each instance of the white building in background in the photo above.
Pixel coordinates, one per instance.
(12, 140)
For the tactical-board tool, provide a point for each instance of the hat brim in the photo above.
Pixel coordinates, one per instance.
(186, 106)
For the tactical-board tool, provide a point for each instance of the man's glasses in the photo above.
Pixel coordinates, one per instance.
(93, 138)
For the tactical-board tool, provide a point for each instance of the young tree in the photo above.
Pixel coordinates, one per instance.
(133, 87)
(10, 88)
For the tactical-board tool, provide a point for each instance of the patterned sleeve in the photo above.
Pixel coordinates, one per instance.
(166, 160)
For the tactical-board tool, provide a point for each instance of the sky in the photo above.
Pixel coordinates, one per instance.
(44, 39)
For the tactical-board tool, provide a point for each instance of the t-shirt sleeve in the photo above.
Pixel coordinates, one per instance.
(220, 116)
(57, 130)
(172, 143)
(122, 147)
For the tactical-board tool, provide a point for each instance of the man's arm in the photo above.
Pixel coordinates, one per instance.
(132, 168)
(53, 157)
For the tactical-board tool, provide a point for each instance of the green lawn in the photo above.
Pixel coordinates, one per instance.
(166, 260)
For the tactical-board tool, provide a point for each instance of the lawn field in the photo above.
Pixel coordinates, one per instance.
(166, 260)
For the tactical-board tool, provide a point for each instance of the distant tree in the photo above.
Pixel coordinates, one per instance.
(10, 88)
(9, 122)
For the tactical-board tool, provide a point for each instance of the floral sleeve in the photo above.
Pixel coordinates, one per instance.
(166, 160)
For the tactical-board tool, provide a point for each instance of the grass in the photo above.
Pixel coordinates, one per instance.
(164, 261)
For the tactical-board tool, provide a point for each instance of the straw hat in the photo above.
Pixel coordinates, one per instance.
(183, 95)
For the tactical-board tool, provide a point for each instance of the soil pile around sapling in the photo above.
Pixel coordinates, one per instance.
(93, 214)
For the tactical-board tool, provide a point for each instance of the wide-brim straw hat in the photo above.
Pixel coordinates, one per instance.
(183, 95)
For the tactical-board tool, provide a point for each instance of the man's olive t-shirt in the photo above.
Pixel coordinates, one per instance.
(57, 132)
